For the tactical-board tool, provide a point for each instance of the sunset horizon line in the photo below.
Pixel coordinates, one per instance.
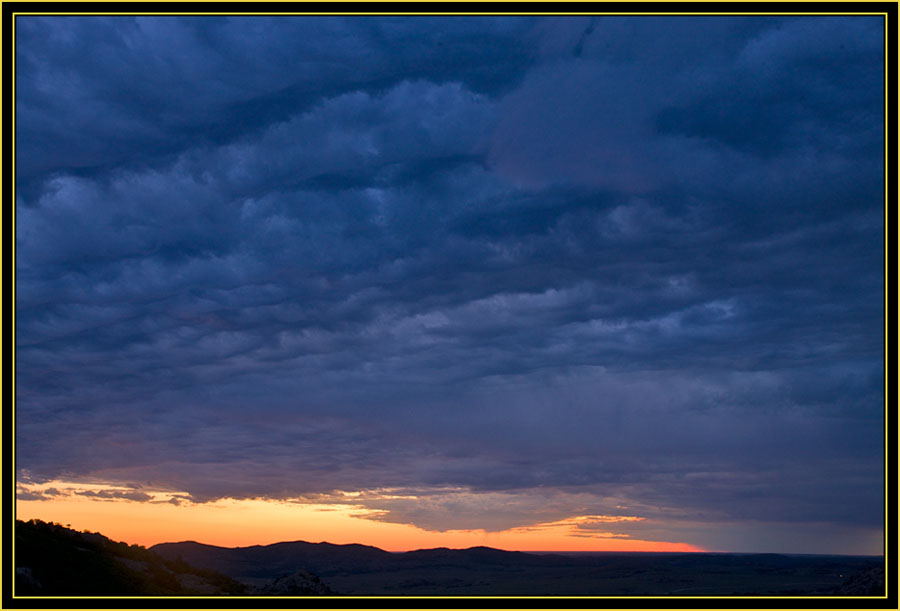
(695, 549)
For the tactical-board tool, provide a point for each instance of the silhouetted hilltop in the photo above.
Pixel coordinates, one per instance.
(267, 561)
(262, 561)
(52, 560)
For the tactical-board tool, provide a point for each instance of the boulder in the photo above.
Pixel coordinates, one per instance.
(298, 583)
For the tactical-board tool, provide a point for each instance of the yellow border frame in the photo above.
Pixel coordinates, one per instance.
(887, 80)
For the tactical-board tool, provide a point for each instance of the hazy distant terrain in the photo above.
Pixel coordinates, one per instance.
(482, 571)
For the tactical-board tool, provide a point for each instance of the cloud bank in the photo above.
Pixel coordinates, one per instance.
(559, 262)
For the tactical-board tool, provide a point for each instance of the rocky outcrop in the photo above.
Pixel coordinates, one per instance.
(866, 583)
(299, 583)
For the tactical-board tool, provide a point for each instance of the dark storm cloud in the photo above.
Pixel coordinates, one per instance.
(627, 256)
(144, 89)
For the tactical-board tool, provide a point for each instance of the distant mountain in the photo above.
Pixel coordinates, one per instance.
(269, 561)
(362, 570)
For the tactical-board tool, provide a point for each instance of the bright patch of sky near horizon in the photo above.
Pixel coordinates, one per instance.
(151, 517)
(158, 517)
(486, 273)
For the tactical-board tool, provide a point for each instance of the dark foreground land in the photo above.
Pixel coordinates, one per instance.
(53, 560)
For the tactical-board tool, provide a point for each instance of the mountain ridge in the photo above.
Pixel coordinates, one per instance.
(356, 569)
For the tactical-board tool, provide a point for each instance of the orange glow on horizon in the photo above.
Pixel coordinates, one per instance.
(237, 523)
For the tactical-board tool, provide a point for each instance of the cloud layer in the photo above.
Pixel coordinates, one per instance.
(629, 258)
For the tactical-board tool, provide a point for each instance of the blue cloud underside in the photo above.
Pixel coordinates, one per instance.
(623, 256)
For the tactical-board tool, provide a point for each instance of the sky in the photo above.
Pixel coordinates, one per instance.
(539, 283)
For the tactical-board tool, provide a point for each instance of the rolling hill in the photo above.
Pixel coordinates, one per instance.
(482, 571)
